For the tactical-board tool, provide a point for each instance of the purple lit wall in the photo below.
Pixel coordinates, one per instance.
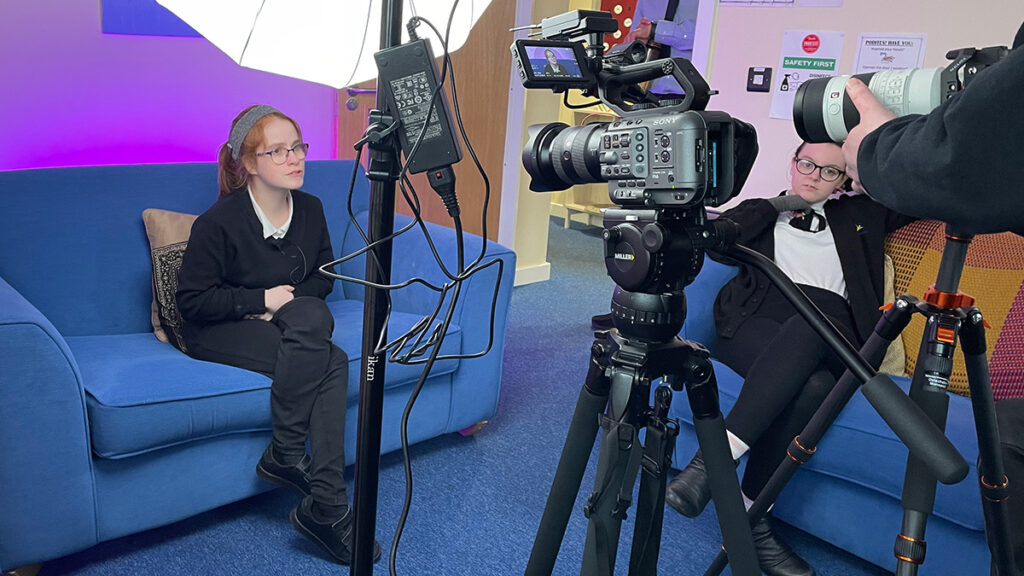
(72, 96)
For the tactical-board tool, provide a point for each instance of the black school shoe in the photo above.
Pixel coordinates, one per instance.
(689, 493)
(775, 557)
(295, 477)
(335, 538)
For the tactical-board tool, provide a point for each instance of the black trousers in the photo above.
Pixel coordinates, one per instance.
(310, 383)
(788, 371)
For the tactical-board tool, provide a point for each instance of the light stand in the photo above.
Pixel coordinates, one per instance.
(383, 176)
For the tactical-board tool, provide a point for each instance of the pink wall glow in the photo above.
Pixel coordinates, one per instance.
(73, 96)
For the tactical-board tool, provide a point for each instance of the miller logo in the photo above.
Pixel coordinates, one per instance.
(624, 256)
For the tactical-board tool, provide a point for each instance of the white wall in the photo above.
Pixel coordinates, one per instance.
(745, 37)
(752, 36)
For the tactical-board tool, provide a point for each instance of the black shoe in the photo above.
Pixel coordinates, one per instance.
(688, 493)
(774, 556)
(336, 538)
(295, 477)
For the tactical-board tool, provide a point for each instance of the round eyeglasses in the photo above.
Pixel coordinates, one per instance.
(828, 173)
(280, 154)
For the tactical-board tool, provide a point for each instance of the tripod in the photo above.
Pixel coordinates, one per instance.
(624, 360)
(948, 312)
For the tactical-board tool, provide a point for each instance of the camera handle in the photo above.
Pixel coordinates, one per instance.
(913, 427)
(615, 82)
(918, 493)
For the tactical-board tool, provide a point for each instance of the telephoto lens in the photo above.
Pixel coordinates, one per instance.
(823, 112)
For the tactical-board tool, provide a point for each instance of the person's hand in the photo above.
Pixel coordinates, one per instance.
(872, 115)
(276, 297)
(642, 32)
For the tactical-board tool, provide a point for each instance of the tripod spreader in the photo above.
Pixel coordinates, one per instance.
(913, 427)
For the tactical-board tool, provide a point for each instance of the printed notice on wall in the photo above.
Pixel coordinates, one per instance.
(756, 2)
(805, 54)
(877, 52)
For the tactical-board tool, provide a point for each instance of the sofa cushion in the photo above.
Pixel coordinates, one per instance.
(144, 395)
(168, 234)
(861, 449)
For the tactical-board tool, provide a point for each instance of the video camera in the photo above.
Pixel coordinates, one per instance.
(665, 159)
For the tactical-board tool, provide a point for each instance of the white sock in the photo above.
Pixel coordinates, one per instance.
(747, 502)
(736, 446)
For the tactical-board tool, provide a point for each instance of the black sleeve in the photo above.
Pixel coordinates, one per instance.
(202, 293)
(894, 220)
(316, 284)
(754, 216)
(961, 163)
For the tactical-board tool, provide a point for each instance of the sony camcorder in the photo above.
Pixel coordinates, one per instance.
(665, 151)
(665, 159)
(823, 112)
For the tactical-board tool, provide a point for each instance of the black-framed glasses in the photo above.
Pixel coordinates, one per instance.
(828, 173)
(280, 154)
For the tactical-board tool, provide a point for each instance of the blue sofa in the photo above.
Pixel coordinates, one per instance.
(849, 493)
(108, 431)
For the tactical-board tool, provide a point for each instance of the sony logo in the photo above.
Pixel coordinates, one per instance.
(660, 121)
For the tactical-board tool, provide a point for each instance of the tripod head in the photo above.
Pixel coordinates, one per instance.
(652, 255)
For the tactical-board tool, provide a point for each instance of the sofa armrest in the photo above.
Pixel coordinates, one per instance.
(47, 464)
(476, 382)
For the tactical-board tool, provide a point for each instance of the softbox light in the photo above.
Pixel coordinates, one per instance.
(329, 42)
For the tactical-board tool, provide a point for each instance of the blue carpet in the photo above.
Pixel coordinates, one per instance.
(477, 500)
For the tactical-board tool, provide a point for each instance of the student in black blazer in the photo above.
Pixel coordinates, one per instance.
(833, 247)
(250, 296)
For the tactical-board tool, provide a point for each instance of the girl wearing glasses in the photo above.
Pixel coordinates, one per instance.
(250, 296)
(833, 247)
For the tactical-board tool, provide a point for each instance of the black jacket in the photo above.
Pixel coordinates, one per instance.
(228, 264)
(963, 163)
(859, 226)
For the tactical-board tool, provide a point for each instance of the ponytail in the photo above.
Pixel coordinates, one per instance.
(231, 174)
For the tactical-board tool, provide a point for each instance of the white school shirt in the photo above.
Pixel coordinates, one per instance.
(809, 258)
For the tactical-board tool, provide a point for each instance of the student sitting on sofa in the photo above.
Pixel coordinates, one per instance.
(250, 296)
(833, 249)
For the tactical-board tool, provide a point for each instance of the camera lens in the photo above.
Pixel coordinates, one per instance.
(557, 156)
(823, 112)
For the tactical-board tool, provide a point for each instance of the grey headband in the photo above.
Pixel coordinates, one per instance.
(244, 124)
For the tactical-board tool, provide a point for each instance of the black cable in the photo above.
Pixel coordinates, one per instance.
(565, 102)
(413, 339)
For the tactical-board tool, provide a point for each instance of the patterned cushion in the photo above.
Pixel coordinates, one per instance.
(895, 360)
(993, 274)
(168, 234)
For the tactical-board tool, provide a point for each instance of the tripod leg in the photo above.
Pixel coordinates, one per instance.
(572, 464)
(702, 391)
(992, 478)
(617, 464)
(928, 390)
(650, 512)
